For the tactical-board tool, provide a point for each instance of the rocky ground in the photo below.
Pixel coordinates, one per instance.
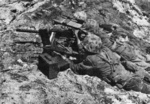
(20, 80)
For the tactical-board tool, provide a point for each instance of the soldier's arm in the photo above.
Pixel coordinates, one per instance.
(125, 51)
(83, 68)
(131, 66)
(106, 42)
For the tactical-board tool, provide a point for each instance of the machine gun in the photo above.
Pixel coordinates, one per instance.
(45, 34)
(59, 41)
(64, 21)
(51, 39)
(68, 37)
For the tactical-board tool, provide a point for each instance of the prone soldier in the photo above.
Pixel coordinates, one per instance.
(118, 42)
(132, 56)
(102, 62)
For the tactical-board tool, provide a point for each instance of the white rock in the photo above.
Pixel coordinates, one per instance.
(18, 6)
(110, 91)
(80, 15)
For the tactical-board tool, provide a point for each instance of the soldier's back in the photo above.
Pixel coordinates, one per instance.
(108, 65)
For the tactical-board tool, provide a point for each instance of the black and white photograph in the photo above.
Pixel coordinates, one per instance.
(74, 51)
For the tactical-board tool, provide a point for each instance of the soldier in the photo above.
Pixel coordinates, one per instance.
(102, 62)
(128, 52)
(117, 41)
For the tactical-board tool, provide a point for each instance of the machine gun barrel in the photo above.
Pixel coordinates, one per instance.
(40, 30)
(26, 30)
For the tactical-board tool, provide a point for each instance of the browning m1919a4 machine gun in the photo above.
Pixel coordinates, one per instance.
(59, 41)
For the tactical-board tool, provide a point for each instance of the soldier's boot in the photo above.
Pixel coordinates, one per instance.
(135, 84)
(148, 69)
(145, 88)
(143, 75)
(147, 78)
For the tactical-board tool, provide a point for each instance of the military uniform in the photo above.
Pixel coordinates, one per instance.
(125, 50)
(104, 64)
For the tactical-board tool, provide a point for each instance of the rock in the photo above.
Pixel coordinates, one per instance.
(80, 15)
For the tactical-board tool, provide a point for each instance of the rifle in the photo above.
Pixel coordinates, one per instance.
(67, 16)
(71, 23)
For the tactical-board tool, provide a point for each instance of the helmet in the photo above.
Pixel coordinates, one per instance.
(92, 43)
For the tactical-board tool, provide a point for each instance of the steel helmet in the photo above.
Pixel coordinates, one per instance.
(92, 43)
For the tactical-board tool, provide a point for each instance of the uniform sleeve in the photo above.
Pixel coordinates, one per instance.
(106, 42)
(126, 51)
(131, 66)
(83, 68)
